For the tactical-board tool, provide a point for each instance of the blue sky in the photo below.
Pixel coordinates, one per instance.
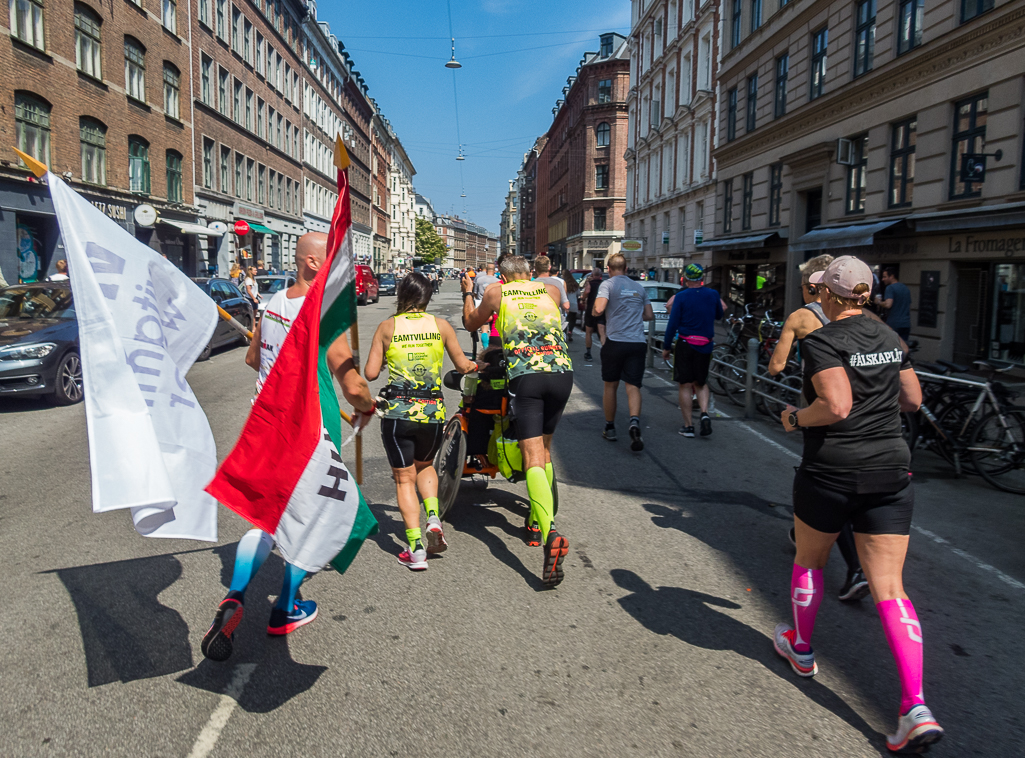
(505, 100)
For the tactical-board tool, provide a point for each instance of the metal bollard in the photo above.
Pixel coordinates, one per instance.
(650, 360)
(749, 379)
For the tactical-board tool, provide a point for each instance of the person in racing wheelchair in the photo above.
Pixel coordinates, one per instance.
(540, 379)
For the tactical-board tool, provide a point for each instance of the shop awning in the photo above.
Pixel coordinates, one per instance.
(851, 235)
(983, 217)
(736, 243)
(261, 229)
(187, 227)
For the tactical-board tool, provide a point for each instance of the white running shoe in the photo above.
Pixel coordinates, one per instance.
(803, 664)
(414, 560)
(916, 730)
(435, 536)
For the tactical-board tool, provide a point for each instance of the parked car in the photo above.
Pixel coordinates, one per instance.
(366, 286)
(231, 299)
(659, 293)
(39, 352)
(267, 285)
(386, 284)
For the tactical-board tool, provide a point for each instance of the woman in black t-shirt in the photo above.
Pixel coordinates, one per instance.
(857, 380)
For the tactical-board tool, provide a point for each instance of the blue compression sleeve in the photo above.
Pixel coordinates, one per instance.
(252, 551)
(293, 578)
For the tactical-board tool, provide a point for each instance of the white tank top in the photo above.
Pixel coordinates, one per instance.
(277, 320)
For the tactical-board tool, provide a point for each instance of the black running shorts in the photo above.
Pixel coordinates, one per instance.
(623, 361)
(690, 366)
(537, 402)
(407, 441)
(591, 321)
(879, 502)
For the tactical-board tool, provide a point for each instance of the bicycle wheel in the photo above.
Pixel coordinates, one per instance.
(997, 450)
(781, 398)
(954, 420)
(734, 378)
(715, 384)
(449, 462)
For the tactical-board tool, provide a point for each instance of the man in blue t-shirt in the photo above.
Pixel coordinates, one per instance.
(897, 302)
(695, 311)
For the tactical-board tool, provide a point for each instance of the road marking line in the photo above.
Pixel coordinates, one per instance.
(207, 738)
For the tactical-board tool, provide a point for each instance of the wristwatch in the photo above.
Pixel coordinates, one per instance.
(792, 418)
(466, 294)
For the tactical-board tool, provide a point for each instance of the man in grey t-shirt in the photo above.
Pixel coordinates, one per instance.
(542, 273)
(481, 282)
(624, 351)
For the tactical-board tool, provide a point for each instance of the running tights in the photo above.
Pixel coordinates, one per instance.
(805, 597)
(252, 551)
(541, 503)
(904, 633)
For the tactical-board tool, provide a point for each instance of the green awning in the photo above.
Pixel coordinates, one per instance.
(261, 229)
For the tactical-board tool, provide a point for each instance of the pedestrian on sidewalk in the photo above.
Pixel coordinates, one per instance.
(626, 307)
(592, 321)
(897, 303)
(695, 311)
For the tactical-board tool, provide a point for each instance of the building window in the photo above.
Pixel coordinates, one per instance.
(88, 52)
(605, 91)
(135, 69)
(169, 15)
(731, 115)
(288, 197)
(247, 42)
(32, 126)
(259, 118)
(969, 137)
(239, 167)
(756, 14)
(775, 193)
(236, 30)
(747, 200)
(172, 91)
(261, 191)
(92, 136)
(606, 45)
(222, 19)
(250, 168)
(909, 29)
(752, 102)
(249, 109)
(779, 107)
(138, 165)
(208, 163)
(27, 22)
(270, 185)
(603, 134)
(902, 162)
(204, 12)
(864, 36)
(239, 114)
(601, 177)
(174, 176)
(735, 28)
(223, 103)
(856, 174)
(281, 183)
(727, 206)
(225, 170)
(258, 47)
(599, 219)
(972, 8)
(819, 42)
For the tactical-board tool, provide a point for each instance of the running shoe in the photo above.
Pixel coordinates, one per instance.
(706, 425)
(687, 431)
(803, 664)
(556, 549)
(856, 586)
(533, 538)
(303, 612)
(916, 731)
(435, 535)
(414, 560)
(217, 643)
(587, 355)
(636, 443)
(609, 433)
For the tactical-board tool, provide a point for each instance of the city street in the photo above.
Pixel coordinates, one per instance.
(658, 642)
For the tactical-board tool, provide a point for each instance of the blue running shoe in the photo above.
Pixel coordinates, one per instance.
(303, 612)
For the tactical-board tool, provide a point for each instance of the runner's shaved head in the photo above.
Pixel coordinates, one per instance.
(310, 252)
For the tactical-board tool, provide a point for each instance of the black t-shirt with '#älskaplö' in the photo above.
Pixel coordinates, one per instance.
(869, 439)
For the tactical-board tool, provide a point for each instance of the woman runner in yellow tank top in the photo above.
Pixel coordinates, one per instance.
(413, 345)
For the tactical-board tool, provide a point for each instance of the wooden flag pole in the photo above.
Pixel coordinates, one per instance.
(234, 323)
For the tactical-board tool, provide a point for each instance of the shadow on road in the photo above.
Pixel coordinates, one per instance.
(688, 615)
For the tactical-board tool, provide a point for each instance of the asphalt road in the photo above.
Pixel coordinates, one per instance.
(656, 644)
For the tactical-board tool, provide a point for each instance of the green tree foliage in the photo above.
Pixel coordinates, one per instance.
(429, 246)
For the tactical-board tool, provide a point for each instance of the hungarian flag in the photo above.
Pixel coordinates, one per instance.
(285, 474)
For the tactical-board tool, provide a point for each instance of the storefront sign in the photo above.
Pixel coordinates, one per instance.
(145, 215)
(929, 299)
(241, 228)
(673, 263)
(632, 246)
(248, 212)
(1008, 245)
(116, 212)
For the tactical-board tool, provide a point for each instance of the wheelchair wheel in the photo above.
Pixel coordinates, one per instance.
(449, 464)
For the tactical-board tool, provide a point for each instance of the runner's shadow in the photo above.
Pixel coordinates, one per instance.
(276, 678)
(687, 615)
(127, 634)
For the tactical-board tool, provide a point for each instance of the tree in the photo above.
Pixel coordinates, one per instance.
(429, 246)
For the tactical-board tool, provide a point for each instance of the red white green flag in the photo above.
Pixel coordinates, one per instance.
(285, 474)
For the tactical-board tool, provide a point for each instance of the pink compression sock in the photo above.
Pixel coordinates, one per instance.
(805, 597)
(904, 633)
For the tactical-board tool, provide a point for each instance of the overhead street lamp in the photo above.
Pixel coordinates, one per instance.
(453, 63)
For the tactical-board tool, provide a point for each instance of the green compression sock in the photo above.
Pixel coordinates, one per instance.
(541, 505)
(431, 506)
(412, 537)
(550, 473)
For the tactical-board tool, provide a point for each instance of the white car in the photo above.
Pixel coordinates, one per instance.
(659, 294)
(268, 284)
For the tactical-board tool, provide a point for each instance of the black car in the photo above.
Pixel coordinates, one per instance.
(231, 299)
(386, 284)
(39, 353)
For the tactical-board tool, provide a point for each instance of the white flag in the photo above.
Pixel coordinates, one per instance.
(142, 323)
